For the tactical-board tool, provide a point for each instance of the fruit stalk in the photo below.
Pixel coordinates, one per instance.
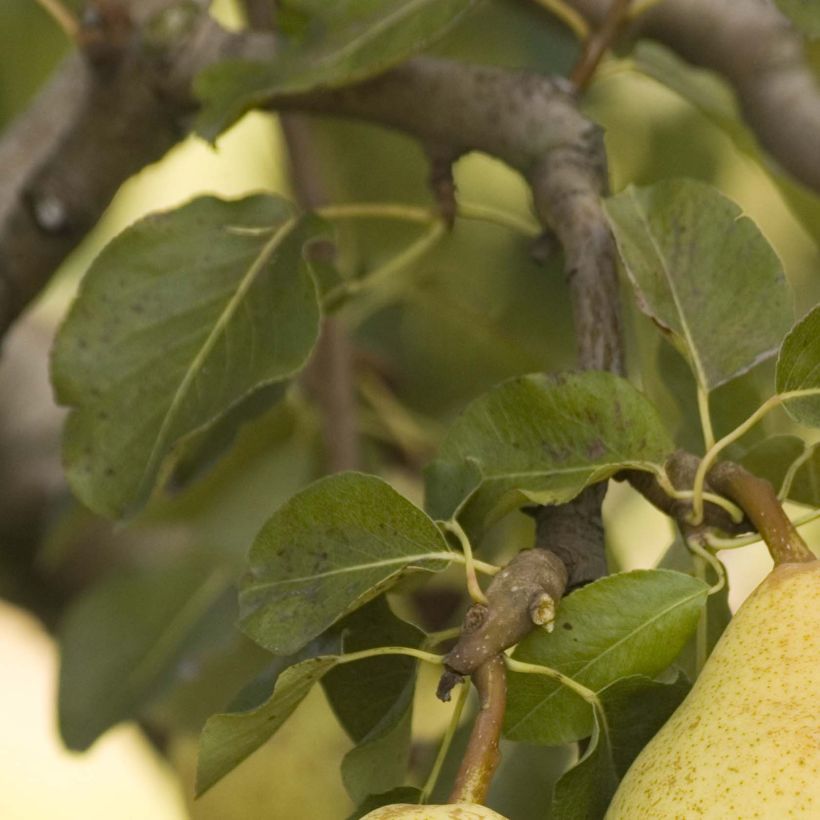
(482, 756)
(758, 499)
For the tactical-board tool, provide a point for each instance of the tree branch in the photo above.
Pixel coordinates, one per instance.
(761, 55)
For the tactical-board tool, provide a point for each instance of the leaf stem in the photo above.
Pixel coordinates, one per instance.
(504, 219)
(426, 216)
(62, 16)
(446, 742)
(704, 555)
(735, 513)
(568, 16)
(342, 293)
(729, 438)
(717, 543)
(420, 654)
(435, 638)
(788, 479)
(473, 587)
(548, 672)
(378, 210)
(705, 418)
(481, 566)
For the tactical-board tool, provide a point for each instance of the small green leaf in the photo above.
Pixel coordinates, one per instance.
(690, 254)
(542, 439)
(805, 14)
(798, 368)
(121, 640)
(772, 458)
(326, 552)
(179, 318)
(340, 43)
(632, 623)
(373, 699)
(228, 739)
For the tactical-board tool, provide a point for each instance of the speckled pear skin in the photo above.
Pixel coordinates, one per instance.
(746, 741)
(451, 811)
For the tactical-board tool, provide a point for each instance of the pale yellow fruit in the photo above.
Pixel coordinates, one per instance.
(451, 811)
(746, 741)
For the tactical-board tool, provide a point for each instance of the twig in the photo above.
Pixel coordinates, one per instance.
(597, 43)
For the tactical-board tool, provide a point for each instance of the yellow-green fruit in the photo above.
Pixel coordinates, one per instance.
(746, 741)
(451, 811)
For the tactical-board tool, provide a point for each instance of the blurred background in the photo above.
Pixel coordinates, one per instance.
(476, 310)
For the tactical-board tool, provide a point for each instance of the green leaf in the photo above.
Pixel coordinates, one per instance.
(632, 623)
(691, 256)
(772, 458)
(584, 792)
(805, 14)
(373, 699)
(229, 738)
(542, 439)
(634, 709)
(798, 368)
(179, 318)
(330, 549)
(121, 641)
(341, 43)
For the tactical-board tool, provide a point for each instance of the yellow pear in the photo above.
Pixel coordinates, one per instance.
(450, 811)
(746, 741)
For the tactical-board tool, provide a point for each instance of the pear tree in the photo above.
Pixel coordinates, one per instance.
(347, 434)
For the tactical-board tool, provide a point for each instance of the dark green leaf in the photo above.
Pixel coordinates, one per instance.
(772, 458)
(228, 739)
(542, 439)
(122, 639)
(805, 14)
(584, 792)
(340, 43)
(179, 318)
(632, 623)
(634, 709)
(326, 552)
(689, 254)
(373, 699)
(798, 367)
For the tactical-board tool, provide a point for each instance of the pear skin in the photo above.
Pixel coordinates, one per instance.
(450, 811)
(746, 741)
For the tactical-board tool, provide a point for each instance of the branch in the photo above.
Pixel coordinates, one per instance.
(681, 469)
(760, 54)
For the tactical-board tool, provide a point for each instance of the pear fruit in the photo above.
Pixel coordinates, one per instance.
(450, 811)
(746, 741)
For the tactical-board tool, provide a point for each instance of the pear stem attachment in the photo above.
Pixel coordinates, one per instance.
(482, 756)
(758, 499)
